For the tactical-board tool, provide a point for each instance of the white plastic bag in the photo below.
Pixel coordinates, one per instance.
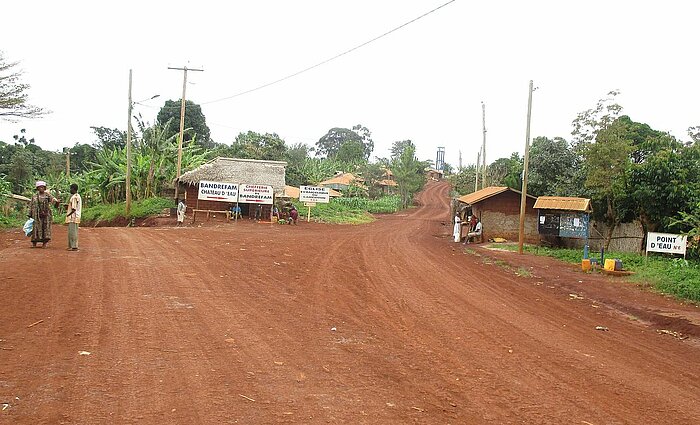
(28, 227)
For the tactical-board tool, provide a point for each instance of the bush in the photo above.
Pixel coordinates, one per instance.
(351, 210)
(674, 276)
(139, 209)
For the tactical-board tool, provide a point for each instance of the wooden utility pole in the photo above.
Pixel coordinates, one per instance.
(67, 151)
(523, 195)
(128, 153)
(184, 70)
(476, 179)
(483, 146)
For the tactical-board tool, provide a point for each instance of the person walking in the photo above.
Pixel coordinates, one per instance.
(40, 211)
(181, 208)
(75, 209)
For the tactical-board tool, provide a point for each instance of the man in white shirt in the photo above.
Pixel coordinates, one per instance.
(476, 232)
(75, 208)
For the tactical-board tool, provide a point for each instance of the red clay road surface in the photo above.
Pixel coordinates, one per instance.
(386, 323)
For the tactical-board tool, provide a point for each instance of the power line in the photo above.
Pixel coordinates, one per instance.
(331, 58)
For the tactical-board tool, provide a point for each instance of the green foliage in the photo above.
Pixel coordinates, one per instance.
(553, 168)
(13, 93)
(351, 210)
(139, 209)
(5, 188)
(383, 205)
(352, 151)
(464, 180)
(688, 223)
(252, 145)
(315, 170)
(673, 276)
(109, 138)
(329, 145)
(409, 174)
(506, 172)
(195, 122)
(373, 174)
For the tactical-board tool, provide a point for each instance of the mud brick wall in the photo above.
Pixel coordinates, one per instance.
(500, 217)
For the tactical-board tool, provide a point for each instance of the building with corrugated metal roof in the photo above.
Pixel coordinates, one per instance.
(498, 209)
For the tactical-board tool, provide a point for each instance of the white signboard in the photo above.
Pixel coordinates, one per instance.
(666, 242)
(314, 194)
(255, 194)
(218, 191)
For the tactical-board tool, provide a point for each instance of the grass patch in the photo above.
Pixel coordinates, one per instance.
(351, 210)
(139, 209)
(674, 276)
(14, 220)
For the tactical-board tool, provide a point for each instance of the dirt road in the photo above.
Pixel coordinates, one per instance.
(387, 323)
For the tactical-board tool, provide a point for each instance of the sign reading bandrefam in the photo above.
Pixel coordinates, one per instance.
(255, 194)
(218, 191)
(666, 242)
(314, 194)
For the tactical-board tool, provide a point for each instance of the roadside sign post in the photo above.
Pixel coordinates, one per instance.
(308, 215)
(311, 195)
(666, 242)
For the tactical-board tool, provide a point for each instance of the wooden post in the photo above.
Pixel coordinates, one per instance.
(308, 216)
(128, 154)
(182, 125)
(523, 195)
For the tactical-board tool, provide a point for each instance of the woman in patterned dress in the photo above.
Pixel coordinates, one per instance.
(40, 211)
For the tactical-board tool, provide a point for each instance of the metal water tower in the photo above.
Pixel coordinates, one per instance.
(440, 159)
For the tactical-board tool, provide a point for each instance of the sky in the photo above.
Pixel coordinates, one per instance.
(423, 82)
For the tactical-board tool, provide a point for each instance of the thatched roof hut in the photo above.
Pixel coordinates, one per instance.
(240, 171)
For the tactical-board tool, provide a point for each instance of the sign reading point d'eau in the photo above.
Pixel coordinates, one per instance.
(666, 242)
(314, 194)
(218, 191)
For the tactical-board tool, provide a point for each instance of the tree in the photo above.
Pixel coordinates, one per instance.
(109, 138)
(507, 171)
(447, 169)
(329, 145)
(252, 145)
(13, 93)
(195, 122)
(82, 156)
(589, 123)
(409, 174)
(553, 165)
(607, 162)
(398, 147)
(296, 154)
(352, 151)
(464, 180)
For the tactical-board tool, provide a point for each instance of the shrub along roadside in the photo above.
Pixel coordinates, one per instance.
(351, 210)
(139, 209)
(674, 276)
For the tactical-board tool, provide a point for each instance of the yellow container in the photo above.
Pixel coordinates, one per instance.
(609, 264)
(586, 265)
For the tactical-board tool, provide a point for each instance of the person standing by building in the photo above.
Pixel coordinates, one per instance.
(258, 212)
(457, 231)
(75, 209)
(40, 211)
(181, 208)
